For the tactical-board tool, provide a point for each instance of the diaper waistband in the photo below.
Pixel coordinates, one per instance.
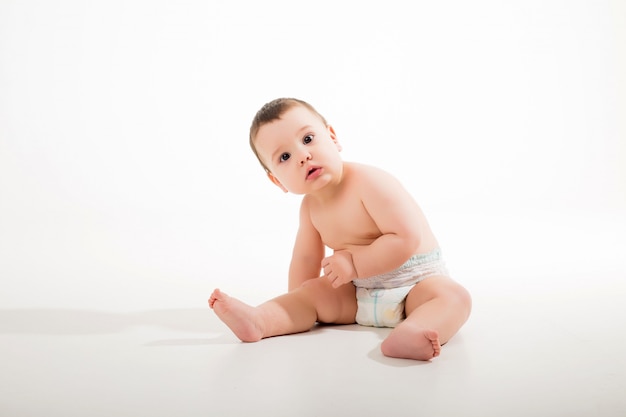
(422, 258)
(416, 268)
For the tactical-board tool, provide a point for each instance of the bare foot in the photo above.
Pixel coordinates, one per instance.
(412, 343)
(241, 318)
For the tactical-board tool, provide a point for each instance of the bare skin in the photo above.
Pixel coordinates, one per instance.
(294, 312)
(436, 308)
(243, 320)
(372, 224)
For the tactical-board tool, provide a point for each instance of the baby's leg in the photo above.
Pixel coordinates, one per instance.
(294, 312)
(243, 320)
(436, 309)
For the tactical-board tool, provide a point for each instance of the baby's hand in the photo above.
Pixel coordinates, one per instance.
(339, 268)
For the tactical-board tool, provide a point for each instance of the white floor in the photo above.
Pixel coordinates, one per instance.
(546, 338)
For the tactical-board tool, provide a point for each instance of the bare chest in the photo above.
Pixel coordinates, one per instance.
(344, 223)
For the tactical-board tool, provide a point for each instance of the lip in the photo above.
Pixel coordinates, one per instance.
(313, 172)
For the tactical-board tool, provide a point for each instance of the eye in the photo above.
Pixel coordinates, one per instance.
(307, 139)
(284, 157)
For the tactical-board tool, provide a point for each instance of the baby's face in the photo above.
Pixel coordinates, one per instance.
(301, 152)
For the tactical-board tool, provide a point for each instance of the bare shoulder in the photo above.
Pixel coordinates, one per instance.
(365, 169)
(370, 177)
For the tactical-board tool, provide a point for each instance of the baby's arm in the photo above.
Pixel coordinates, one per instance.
(308, 251)
(397, 216)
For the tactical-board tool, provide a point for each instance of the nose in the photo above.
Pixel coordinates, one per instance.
(306, 156)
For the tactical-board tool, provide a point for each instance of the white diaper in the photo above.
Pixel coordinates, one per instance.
(380, 299)
(381, 307)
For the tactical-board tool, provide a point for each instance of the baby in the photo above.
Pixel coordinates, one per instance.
(386, 268)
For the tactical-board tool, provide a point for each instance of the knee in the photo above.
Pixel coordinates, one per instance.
(322, 288)
(315, 284)
(333, 305)
(453, 294)
(316, 289)
(462, 298)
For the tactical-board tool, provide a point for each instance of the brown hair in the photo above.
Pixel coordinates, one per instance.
(273, 111)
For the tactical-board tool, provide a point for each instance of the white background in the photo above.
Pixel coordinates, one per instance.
(126, 181)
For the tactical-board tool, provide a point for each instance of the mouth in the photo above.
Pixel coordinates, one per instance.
(313, 173)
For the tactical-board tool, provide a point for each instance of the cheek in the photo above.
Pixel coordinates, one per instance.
(332, 154)
(281, 172)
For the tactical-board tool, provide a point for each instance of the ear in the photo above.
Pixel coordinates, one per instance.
(333, 136)
(276, 182)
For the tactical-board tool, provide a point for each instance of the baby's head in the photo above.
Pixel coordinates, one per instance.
(273, 111)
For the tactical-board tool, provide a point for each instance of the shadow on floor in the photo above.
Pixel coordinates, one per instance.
(71, 322)
(49, 321)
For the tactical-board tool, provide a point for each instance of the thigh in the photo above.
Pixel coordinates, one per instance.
(436, 286)
(333, 305)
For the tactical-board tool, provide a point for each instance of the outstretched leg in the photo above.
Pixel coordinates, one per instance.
(436, 308)
(294, 312)
(243, 320)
